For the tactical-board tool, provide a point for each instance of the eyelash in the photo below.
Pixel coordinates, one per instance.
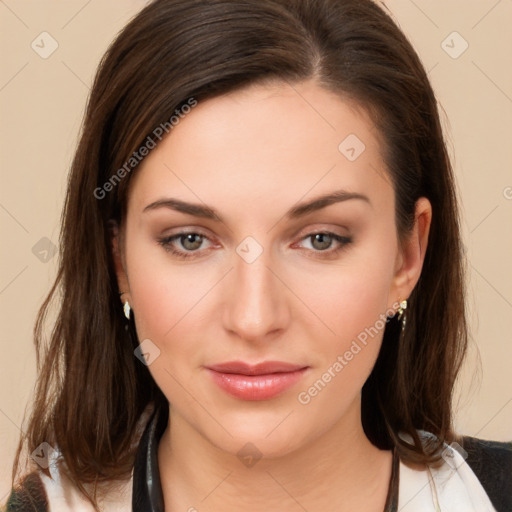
(343, 242)
(166, 243)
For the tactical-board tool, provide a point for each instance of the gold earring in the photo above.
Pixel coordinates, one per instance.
(401, 311)
(402, 308)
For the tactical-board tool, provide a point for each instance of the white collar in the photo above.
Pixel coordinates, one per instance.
(452, 487)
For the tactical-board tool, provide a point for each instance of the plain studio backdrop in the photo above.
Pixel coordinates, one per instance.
(50, 51)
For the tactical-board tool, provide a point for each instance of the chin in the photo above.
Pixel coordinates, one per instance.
(260, 435)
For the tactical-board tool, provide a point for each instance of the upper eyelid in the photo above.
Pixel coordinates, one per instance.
(184, 232)
(324, 228)
(303, 231)
(178, 235)
(304, 234)
(336, 238)
(168, 241)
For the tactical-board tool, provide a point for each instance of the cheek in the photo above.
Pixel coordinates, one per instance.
(174, 307)
(354, 310)
(163, 293)
(351, 300)
(166, 305)
(348, 298)
(354, 307)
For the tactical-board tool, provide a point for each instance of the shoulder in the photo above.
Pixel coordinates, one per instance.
(29, 496)
(491, 461)
(472, 475)
(40, 493)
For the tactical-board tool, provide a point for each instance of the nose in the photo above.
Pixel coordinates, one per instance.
(257, 306)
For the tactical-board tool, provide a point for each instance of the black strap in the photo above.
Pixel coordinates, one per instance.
(147, 490)
(392, 497)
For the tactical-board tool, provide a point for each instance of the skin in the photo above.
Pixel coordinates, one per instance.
(252, 155)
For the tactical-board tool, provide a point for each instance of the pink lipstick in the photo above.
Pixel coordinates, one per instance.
(261, 381)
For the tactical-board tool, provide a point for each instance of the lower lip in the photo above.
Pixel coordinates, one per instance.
(256, 387)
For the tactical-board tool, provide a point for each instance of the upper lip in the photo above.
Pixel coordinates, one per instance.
(263, 368)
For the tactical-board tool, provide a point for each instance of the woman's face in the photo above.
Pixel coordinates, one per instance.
(242, 175)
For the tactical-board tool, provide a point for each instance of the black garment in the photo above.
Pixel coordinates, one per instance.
(147, 490)
(30, 497)
(491, 461)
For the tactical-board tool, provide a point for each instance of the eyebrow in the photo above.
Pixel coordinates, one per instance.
(194, 209)
(321, 202)
(204, 211)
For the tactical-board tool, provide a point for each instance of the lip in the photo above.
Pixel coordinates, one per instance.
(261, 381)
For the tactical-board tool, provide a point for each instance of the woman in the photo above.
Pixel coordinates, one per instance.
(262, 277)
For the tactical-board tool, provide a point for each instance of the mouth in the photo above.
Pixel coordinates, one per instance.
(261, 381)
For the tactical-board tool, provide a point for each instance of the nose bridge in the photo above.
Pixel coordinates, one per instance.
(257, 302)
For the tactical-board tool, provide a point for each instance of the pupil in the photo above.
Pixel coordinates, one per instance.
(324, 239)
(190, 239)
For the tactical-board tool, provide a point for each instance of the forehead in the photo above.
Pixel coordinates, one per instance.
(263, 146)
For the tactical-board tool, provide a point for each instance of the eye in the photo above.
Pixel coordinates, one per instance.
(189, 241)
(322, 242)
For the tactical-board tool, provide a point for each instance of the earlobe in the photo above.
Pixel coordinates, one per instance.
(412, 252)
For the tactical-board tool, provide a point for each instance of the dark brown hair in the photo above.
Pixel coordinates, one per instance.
(91, 390)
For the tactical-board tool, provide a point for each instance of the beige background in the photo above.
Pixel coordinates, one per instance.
(41, 105)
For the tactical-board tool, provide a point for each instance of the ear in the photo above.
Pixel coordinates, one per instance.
(411, 254)
(117, 248)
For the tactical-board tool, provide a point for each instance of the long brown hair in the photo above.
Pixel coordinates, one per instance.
(91, 390)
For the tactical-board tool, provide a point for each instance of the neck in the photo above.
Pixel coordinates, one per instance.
(340, 470)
